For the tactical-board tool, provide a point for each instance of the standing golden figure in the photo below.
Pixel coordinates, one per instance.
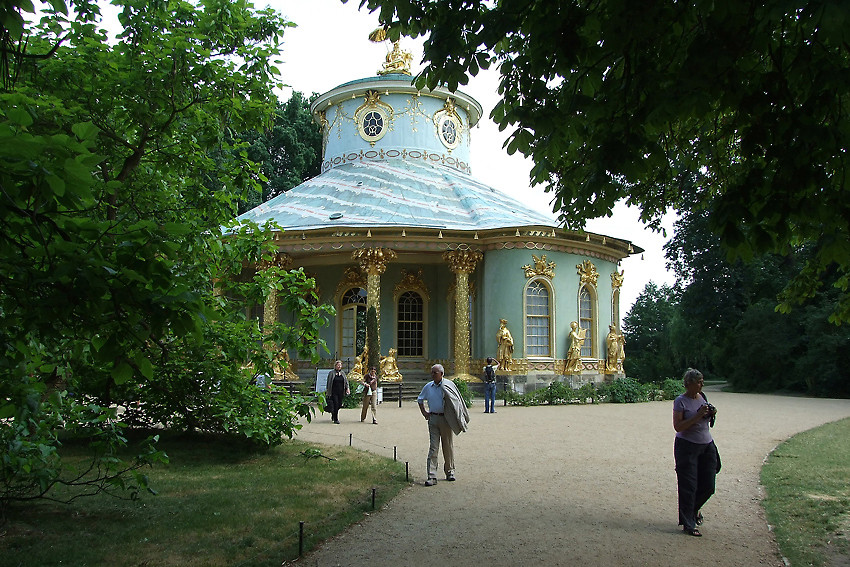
(616, 350)
(577, 336)
(505, 351)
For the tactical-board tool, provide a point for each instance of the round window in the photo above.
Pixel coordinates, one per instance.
(449, 131)
(372, 125)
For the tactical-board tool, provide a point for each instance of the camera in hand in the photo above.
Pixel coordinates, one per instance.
(710, 414)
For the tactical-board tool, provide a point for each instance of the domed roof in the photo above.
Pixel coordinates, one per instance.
(396, 192)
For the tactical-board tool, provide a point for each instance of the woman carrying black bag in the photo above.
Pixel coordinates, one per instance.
(337, 389)
(694, 451)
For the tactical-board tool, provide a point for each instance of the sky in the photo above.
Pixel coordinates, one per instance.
(330, 46)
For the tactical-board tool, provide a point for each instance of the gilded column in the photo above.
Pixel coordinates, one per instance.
(282, 261)
(462, 263)
(374, 262)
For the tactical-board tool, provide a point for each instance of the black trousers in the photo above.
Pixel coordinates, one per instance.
(696, 467)
(335, 402)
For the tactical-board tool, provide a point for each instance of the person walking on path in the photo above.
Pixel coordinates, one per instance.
(694, 451)
(337, 388)
(490, 385)
(446, 414)
(370, 394)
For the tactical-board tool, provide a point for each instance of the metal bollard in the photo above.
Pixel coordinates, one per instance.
(395, 454)
(300, 539)
(406, 471)
(350, 437)
(399, 395)
(373, 498)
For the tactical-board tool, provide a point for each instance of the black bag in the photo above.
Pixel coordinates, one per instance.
(489, 374)
(716, 452)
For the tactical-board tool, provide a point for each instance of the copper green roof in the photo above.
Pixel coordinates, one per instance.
(396, 193)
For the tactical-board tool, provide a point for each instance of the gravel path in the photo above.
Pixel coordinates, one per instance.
(568, 485)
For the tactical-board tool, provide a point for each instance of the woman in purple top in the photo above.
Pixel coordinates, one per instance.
(694, 451)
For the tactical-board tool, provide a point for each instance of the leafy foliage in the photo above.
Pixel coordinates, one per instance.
(722, 319)
(288, 152)
(112, 207)
(465, 392)
(648, 329)
(745, 102)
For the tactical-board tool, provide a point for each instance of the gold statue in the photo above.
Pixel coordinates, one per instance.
(616, 350)
(360, 363)
(285, 368)
(397, 61)
(389, 368)
(357, 371)
(577, 336)
(505, 349)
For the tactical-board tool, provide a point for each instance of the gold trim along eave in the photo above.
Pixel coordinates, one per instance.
(388, 85)
(406, 239)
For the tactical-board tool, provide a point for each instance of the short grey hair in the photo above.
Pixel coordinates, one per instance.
(438, 367)
(691, 375)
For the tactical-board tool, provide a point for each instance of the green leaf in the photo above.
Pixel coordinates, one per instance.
(85, 130)
(121, 373)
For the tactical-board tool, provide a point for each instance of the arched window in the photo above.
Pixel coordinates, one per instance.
(411, 324)
(587, 319)
(538, 319)
(353, 322)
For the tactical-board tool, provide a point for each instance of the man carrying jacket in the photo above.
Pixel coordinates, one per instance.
(446, 415)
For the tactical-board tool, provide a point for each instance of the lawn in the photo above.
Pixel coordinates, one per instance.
(217, 504)
(808, 495)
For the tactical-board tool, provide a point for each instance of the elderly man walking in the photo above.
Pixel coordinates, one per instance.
(446, 415)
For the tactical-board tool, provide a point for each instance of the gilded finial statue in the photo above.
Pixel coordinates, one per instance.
(398, 60)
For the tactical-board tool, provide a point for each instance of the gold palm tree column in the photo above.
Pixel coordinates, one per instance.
(462, 263)
(374, 262)
(282, 261)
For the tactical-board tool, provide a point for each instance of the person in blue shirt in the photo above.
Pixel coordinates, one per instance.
(439, 431)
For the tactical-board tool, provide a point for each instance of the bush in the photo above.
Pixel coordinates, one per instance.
(626, 391)
(465, 392)
(558, 393)
(588, 392)
(671, 388)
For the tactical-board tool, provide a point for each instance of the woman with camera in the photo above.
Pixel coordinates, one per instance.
(694, 451)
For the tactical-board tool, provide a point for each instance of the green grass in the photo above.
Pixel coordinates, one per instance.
(808, 495)
(217, 505)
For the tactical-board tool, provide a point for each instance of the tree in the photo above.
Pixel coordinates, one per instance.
(633, 101)
(289, 152)
(112, 237)
(647, 329)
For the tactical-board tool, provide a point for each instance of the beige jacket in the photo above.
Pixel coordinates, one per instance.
(454, 407)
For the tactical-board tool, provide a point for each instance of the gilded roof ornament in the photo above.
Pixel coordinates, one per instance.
(540, 268)
(352, 277)
(588, 272)
(617, 279)
(398, 60)
(409, 280)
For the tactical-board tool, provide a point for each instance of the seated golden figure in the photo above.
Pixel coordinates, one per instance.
(389, 368)
(284, 369)
(357, 371)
